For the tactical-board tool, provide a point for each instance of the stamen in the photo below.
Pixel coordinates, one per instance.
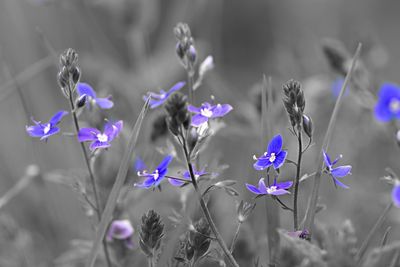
(47, 128)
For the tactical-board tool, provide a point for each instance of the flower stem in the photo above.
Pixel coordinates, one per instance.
(297, 182)
(190, 74)
(92, 180)
(206, 212)
(235, 237)
(150, 261)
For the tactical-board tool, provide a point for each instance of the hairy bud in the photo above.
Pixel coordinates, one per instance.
(151, 233)
(294, 102)
(178, 115)
(69, 73)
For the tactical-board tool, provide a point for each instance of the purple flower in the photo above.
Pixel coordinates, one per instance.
(86, 89)
(155, 178)
(159, 99)
(274, 156)
(207, 111)
(396, 194)
(99, 139)
(186, 176)
(337, 85)
(337, 172)
(121, 230)
(303, 234)
(275, 189)
(44, 130)
(388, 105)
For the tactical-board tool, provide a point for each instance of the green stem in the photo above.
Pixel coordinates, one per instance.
(206, 212)
(297, 182)
(150, 261)
(235, 237)
(190, 74)
(87, 161)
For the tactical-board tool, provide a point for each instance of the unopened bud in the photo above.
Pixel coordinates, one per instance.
(192, 54)
(76, 74)
(180, 51)
(307, 125)
(69, 58)
(81, 101)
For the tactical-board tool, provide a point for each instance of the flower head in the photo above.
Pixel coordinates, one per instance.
(159, 99)
(396, 194)
(275, 189)
(151, 233)
(44, 130)
(155, 178)
(337, 172)
(274, 156)
(207, 111)
(388, 105)
(86, 89)
(121, 230)
(186, 176)
(100, 139)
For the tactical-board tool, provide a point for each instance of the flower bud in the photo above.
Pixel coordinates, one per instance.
(192, 54)
(180, 51)
(76, 74)
(151, 233)
(69, 58)
(307, 125)
(178, 115)
(244, 210)
(81, 101)
(294, 102)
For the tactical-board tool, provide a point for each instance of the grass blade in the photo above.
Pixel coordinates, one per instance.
(119, 182)
(385, 236)
(325, 145)
(372, 232)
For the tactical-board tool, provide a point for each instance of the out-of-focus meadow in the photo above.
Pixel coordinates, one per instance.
(126, 48)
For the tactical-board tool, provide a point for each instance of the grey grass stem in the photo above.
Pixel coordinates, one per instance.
(150, 261)
(206, 212)
(87, 162)
(312, 203)
(297, 183)
(235, 237)
(190, 74)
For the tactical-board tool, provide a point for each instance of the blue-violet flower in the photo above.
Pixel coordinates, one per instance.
(100, 139)
(159, 99)
(337, 172)
(275, 189)
(44, 130)
(155, 178)
(388, 105)
(86, 89)
(274, 156)
(396, 194)
(186, 176)
(121, 230)
(207, 111)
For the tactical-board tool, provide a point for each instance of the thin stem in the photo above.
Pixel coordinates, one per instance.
(206, 212)
(150, 261)
(179, 179)
(296, 183)
(190, 74)
(87, 161)
(235, 237)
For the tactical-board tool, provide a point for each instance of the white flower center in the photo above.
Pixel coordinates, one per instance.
(206, 112)
(156, 175)
(271, 189)
(102, 137)
(47, 128)
(394, 105)
(272, 157)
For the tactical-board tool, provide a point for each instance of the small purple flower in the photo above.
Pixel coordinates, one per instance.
(274, 156)
(388, 105)
(121, 230)
(155, 178)
(99, 139)
(44, 130)
(159, 99)
(396, 194)
(207, 111)
(303, 234)
(186, 176)
(86, 89)
(337, 172)
(275, 189)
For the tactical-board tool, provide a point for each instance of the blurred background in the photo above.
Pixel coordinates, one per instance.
(127, 48)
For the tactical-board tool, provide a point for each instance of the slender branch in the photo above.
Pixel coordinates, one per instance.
(235, 237)
(296, 183)
(179, 179)
(150, 261)
(87, 161)
(190, 74)
(206, 212)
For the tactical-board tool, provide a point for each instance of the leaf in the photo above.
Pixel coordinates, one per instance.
(119, 182)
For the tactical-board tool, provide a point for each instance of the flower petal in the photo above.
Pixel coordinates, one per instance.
(396, 195)
(193, 109)
(275, 145)
(339, 183)
(97, 144)
(280, 159)
(155, 103)
(149, 182)
(284, 185)
(341, 171)
(221, 110)
(198, 120)
(164, 163)
(262, 163)
(35, 131)
(254, 189)
(327, 159)
(113, 129)
(140, 165)
(261, 186)
(57, 117)
(176, 87)
(279, 192)
(88, 134)
(104, 103)
(383, 113)
(52, 131)
(85, 89)
(120, 229)
(175, 182)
